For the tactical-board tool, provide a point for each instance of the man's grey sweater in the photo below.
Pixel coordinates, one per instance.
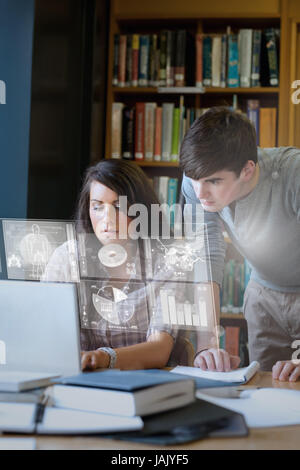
(265, 225)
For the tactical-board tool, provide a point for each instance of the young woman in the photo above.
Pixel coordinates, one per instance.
(115, 326)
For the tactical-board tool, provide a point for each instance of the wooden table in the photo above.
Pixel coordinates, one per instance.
(287, 437)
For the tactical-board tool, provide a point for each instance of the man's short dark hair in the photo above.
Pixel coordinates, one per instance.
(220, 139)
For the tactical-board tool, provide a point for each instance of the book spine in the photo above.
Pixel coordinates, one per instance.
(144, 60)
(163, 58)
(175, 134)
(169, 58)
(135, 59)
(233, 61)
(149, 130)
(128, 133)
(255, 66)
(128, 75)
(139, 131)
(116, 141)
(245, 57)
(180, 58)
(152, 60)
(267, 130)
(157, 64)
(163, 189)
(115, 79)
(216, 61)
(207, 65)
(223, 61)
(232, 340)
(253, 116)
(199, 60)
(122, 60)
(158, 134)
(272, 56)
(172, 197)
(167, 126)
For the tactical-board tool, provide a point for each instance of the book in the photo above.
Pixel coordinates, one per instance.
(223, 77)
(233, 61)
(237, 376)
(153, 61)
(253, 115)
(216, 60)
(139, 131)
(149, 130)
(232, 340)
(158, 134)
(144, 60)
(11, 381)
(267, 127)
(181, 38)
(245, 55)
(172, 197)
(207, 65)
(163, 58)
(272, 50)
(135, 59)
(175, 135)
(116, 130)
(122, 60)
(128, 133)
(170, 54)
(161, 188)
(256, 51)
(167, 127)
(199, 60)
(30, 418)
(124, 393)
(128, 74)
(115, 79)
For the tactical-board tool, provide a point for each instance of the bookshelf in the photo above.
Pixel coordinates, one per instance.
(135, 17)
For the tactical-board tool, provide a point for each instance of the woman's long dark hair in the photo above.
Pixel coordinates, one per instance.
(124, 178)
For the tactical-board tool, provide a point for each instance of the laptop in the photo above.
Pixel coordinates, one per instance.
(39, 333)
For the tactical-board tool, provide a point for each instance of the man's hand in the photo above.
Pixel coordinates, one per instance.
(217, 360)
(286, 371)
(91, 360)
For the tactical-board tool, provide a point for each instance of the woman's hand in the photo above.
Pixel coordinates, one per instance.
(91, 360)
(215, 359)
(286, 371)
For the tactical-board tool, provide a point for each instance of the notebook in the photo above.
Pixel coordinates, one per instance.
(233, 377)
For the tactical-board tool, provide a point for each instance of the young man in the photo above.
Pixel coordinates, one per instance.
(255, 194)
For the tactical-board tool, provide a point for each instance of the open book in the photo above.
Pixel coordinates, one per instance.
(233, 377)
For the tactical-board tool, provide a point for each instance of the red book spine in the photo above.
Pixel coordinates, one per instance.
(139, 153)
(122, 60)
(232, 334)
(135, 59)
(199, 60)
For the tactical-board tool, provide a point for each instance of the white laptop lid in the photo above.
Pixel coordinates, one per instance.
(39, 327)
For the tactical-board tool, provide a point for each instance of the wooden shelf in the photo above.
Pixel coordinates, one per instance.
(156, 164)
(217, 90)
(233, 316)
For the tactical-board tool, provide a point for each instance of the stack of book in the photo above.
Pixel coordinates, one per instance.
(150, 131)
(166, 189)
(153, 59)
(249, 58)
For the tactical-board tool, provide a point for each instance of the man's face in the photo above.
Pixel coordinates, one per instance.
(218, 190)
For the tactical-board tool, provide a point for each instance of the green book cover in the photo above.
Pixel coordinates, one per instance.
(175, 134)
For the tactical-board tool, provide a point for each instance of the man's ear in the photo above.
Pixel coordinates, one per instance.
(248, 170)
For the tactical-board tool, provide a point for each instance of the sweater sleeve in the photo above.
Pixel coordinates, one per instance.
(216, 245)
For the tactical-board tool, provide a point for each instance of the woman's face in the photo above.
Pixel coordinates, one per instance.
(107, 221)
